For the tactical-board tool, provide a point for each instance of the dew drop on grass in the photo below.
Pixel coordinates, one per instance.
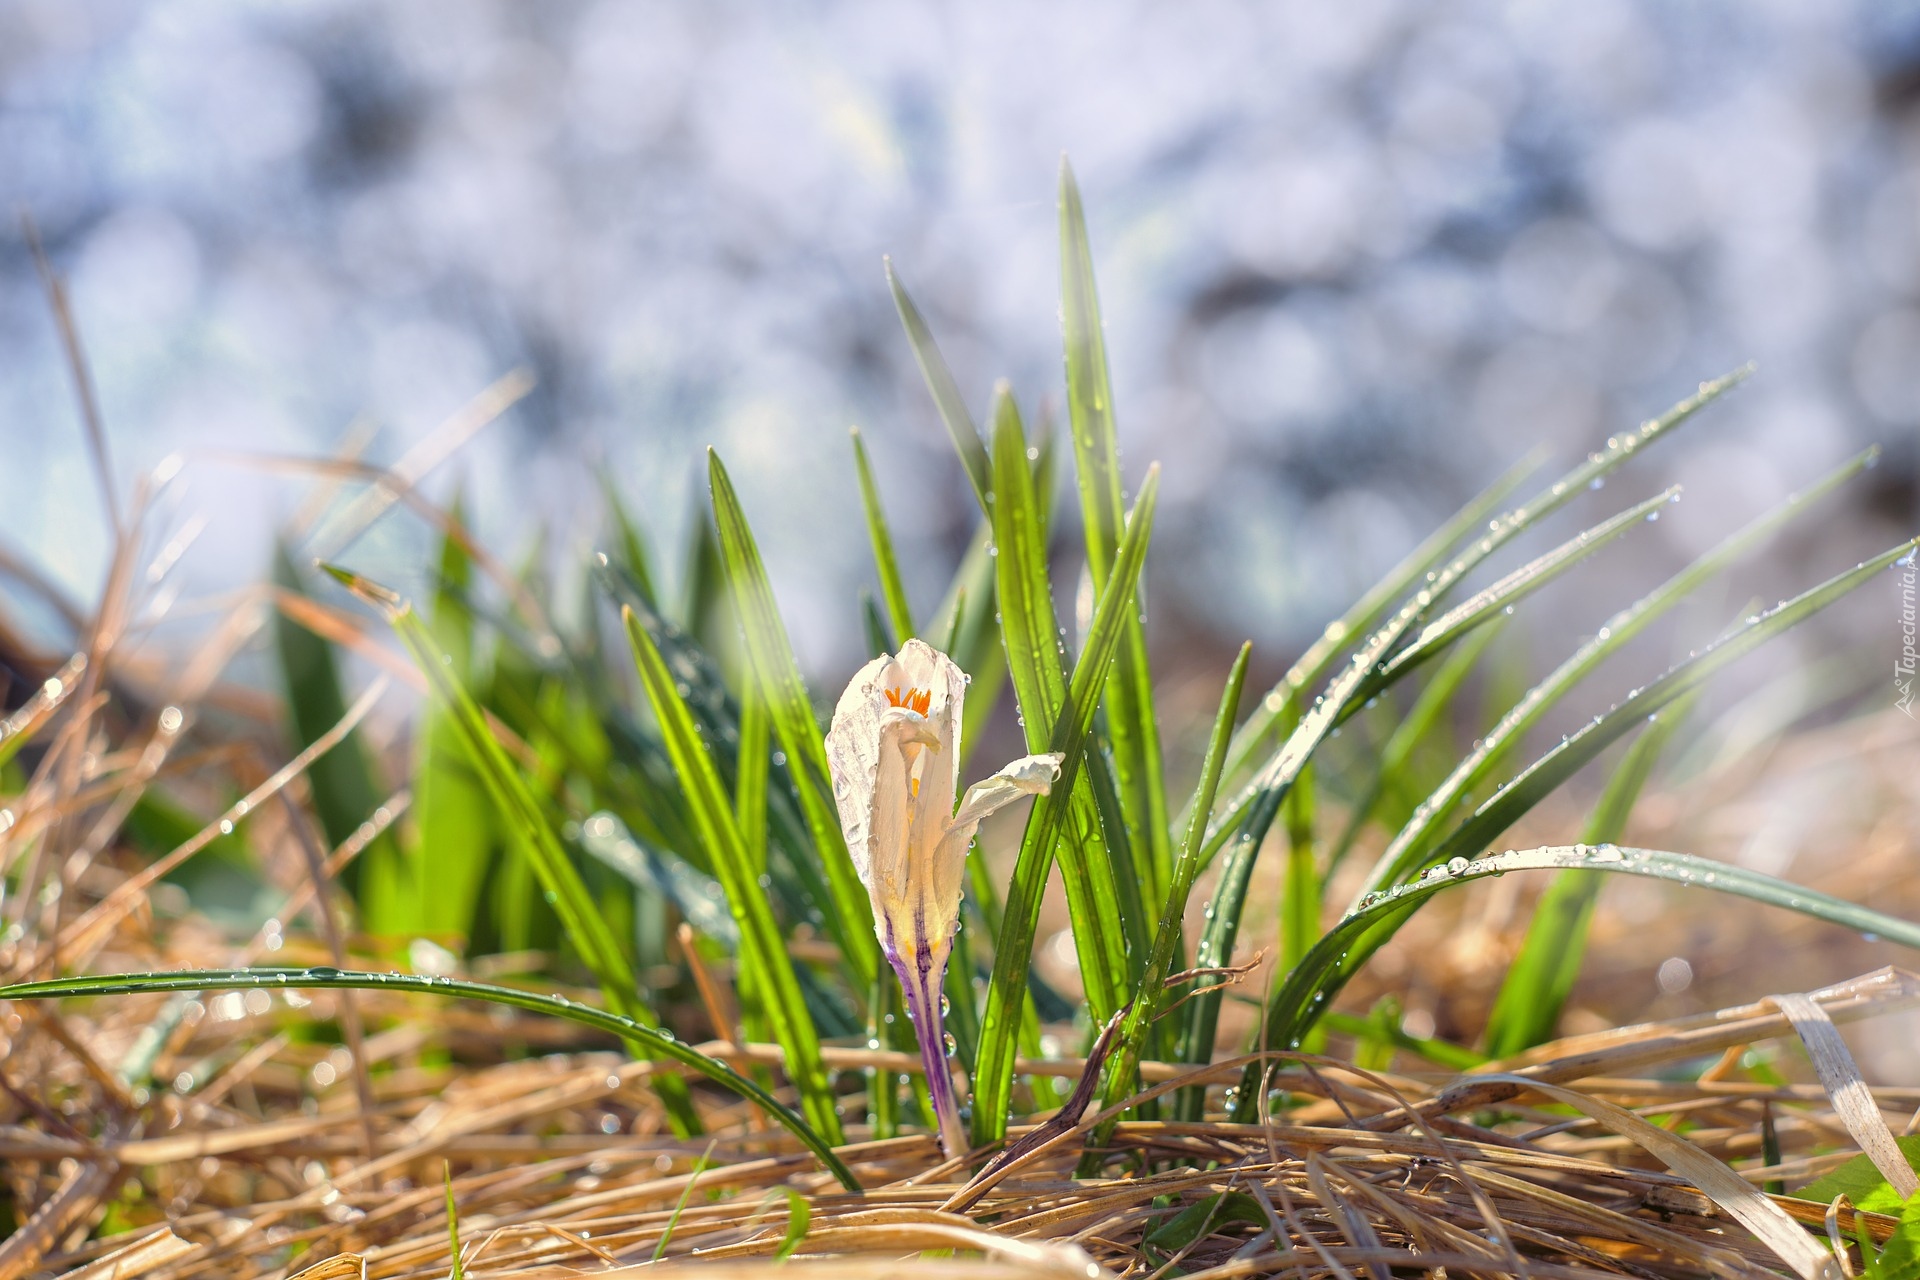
(951, 1045)
(1456, 866)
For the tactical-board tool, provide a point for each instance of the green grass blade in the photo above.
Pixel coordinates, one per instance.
(799, 1220)
(1149, 993)
(1543, 973)
(873, 624)
(892, 589)
(1031, 633)
(1419, 723)
(794, 725)
(341, 782)
(1443, 1052)
(1312, 666)
(1312, 986)
(540, 846)
(634, 555)
(1007, 988)
(706, 608)
(660, 1045)
(1408, 848)
(1294, 1004)
(1248, 813)
(970, 623)
(459, 1271)
(1300, 902)
(763, 948)
(1132, 725)
(946, 392)
(750, 786)
(1502, 596)
(1507, 805)
(454, 822)
(700, 1166)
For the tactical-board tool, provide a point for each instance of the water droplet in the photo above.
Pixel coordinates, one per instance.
(1456, 866)
(946, 1005)
(952, 1046)
(1598, 482)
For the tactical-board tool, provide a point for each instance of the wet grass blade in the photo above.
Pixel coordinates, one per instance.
(762, 946)
(1248, 813)
(946, 392)
(1312, 665)
(1427, 712)
(1013, 954)
(1149, 994)
(795, 727)
(1031, 633)
(1408, 848)
(540, 845)
(1339, 955)
(1132, 725)
(1543, 973)
(1506, 806)
(892, 590)
(1294, 1004)
(660, 1045)
(1502, 596)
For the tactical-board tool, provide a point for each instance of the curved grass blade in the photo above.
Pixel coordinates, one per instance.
(1408, 848)
(794, 724)
(1013, 953)
(1500, 530)
(1412, 730)
(1543, 973)
(1290, 1007)
(1132, 726)
(661, 1045)
(1494, 600)
(892, 589)
(1148, 993)
(763, 948)
(539, 844)
(1339, 955)
(946, 392)
(1505, 806)
(1312, 665)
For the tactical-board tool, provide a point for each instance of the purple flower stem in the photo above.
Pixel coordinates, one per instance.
(920, 978)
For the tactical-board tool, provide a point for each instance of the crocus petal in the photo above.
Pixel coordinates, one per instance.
(1027, 776)
(853, 756)
(887, 863)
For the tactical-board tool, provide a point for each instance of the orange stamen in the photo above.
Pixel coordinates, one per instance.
(916, 700)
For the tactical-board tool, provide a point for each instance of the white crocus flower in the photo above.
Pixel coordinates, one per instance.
(894, 753)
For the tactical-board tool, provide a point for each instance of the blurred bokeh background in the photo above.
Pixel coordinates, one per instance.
(1356, 258)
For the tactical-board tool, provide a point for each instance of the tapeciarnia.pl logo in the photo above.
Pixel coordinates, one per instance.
(1903, 666)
